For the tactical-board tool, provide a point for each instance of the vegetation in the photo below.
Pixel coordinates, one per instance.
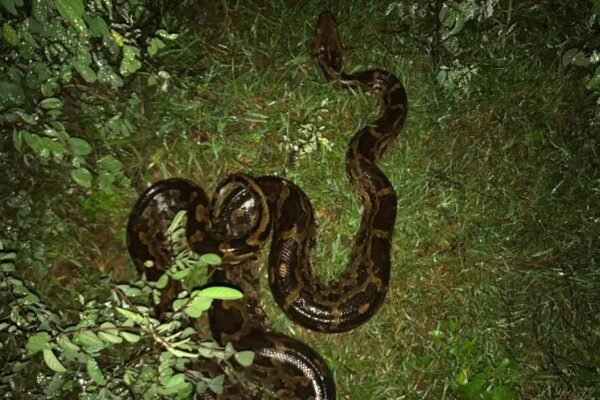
(495, 289)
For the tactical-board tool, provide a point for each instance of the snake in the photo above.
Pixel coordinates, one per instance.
(245, 211)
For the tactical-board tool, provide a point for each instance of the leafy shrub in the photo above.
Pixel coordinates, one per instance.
(464, 36)
(53, 51)
(158, 354)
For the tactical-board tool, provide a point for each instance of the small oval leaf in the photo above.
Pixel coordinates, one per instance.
(244, 358)
(72, 11)
(80, 146)
(162, 282)
(82, 177)
(220, 293)
(210, 258)
(197, 306)
(130, 337)
(216, 384)
(66, 344)
(37, 342)
(109, 337)
(130, 62)
(51, 103)
(140, 319)
(95, 372)
(52, 362)
(10, 34)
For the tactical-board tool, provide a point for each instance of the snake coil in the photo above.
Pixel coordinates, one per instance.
(243, 213)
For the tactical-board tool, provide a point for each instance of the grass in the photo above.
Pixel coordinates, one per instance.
(495, 252)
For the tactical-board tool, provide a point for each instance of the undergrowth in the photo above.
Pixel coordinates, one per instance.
(495, 288)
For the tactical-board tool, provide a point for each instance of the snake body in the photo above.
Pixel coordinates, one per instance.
(243, 213)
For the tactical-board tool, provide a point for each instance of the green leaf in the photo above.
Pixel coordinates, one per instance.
(166, 35)
(72, 11)
(189, 331)
(436, 335)
(130, 337)
(54, 113)
(30, 299)
(109, 337)
(594, 82)
(154, 46)
(82, 177)
(77, 161)
(106, 75)
(80, 147)
(66, 74)
(51, 103)
(536, 136)
(129, 377)
(95, 372)
(177, 304)
(156, 295)
(463, 377)
(86, 72)
(162, 282)
(447, 16)
(18, 140)
(89, 339)
(50, 87)
(244, 358)
(9, 5)
(452, 19)
(216, 384)
(228, 351)
(175, 380)
(105, 181)
(220, 293)
(197, 306)
(181, 353)
(474, 389)
(66, 344)
(52, 362)
(11, 95)
(164, 370)
(18, 286)
(210, 259)
(208, 349)
(110, 164)
(201, 387)
(130, 291)
(98, 27)
(130, 62)
(176, 223)
(39, 10)
(117, 37)
(177, 273)
(503, 393)
(37, 342)
(575, 57)
(138, 318)
(10, 34)
(8, 267)
(8, 256)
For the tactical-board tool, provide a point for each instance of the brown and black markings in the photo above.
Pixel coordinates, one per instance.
(245, 211)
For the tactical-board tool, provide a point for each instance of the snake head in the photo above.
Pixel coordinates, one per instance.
(326, 47)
